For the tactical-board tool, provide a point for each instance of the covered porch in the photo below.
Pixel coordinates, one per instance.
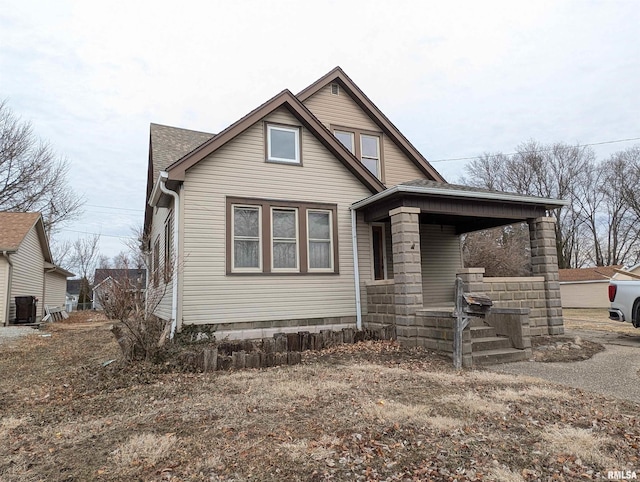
(416, 229)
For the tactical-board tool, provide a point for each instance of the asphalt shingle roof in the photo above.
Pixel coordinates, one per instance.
(597, 273)
(14, 227)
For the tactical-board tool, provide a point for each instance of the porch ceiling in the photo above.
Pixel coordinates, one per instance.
(468, 209)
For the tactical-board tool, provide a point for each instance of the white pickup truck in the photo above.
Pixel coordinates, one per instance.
(624, 296)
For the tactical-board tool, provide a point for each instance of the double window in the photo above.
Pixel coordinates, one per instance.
(283, 144)
(265, 236)
(366, 146)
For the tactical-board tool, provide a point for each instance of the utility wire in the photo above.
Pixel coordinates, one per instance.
(112, 207)
(98, 234)
(542, 150)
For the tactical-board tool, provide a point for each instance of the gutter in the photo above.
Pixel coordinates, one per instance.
(10, 281)
(162, 179)
(455, 193)
(356, 269)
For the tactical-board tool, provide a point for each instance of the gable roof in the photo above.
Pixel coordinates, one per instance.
(102, 274)
(597, 273)
(338, 76)
(15, 226)
(287, 100)
(168, 144)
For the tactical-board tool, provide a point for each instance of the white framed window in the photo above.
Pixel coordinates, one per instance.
(370, 153)
(320, 240)
(283, 144)
(246, 245)
(347, 139)
(285, 252)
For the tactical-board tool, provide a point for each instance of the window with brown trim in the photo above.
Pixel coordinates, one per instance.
(155, 264)
(168, 247)
(281, 237)
(365, 145)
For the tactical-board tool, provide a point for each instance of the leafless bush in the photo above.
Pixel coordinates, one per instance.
(140, 333)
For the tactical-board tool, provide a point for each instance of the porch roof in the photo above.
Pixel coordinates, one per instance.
(467, 208)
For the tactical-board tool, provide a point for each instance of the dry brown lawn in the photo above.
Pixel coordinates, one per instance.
(367, 412)
(596, 319)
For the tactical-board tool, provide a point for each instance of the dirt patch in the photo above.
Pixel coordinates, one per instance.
(372, 411)
(563, 349)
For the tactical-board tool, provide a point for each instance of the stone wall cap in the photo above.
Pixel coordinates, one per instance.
(510, 311)
(471, 271)
(514, 279)
(379, 282)
(404, 209)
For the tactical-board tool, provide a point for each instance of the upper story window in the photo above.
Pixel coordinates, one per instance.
(283, 144)
(370, 153)
(366, 146)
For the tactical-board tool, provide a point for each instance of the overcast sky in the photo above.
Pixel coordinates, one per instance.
(457, 78)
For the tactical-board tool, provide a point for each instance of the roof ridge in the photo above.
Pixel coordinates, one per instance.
(181, 128)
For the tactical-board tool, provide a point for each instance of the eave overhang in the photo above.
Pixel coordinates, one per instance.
(467, 210)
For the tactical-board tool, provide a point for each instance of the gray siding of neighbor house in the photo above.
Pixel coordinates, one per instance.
(28, 272)
(55, 289)
(441, 259)
(239, 169)
(4, 287)
(341, 110)
(160, 296)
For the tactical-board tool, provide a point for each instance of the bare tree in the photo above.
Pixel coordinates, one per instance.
(84, 257)
(32, 176)
(554, 171)
(61, 252)
(503, 251)
(104, 262)
(122, 260)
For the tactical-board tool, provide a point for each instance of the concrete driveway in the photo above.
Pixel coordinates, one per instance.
(614, 372)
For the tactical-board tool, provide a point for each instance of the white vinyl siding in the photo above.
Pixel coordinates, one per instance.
(441, 260)
(590, 294)
(28, 272)
(341, 110)
(238, 169)
(55, 289)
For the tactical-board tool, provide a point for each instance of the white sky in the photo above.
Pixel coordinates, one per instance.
(457, 78)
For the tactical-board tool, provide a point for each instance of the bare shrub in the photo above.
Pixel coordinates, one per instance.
(144, 449)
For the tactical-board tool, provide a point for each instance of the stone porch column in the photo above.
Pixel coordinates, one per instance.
(407, 271)
(544, 262)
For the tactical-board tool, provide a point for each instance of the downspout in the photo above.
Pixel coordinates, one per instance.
(8, 307)
(356, 269)
(176, 223)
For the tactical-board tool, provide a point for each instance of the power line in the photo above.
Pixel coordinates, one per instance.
(98, 234)
(112, 207)
(514, 153)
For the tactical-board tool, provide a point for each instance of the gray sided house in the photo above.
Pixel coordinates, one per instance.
(27, 269)
(315, 212)
(134, 281)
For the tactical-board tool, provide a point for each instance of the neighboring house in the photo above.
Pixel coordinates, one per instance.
(288, 217)
(134, 280)
(26, 267)
(588, 287)
(73, 294)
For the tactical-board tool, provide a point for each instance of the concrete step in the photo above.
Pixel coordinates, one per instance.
(482, 332)
(502, 355)
(489, 343)
(475, 321)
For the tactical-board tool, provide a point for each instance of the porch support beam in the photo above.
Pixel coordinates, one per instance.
(544, 262)
(407, 271)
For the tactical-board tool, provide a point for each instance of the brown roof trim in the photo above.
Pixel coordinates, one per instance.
(288, 100)
(338, 75)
